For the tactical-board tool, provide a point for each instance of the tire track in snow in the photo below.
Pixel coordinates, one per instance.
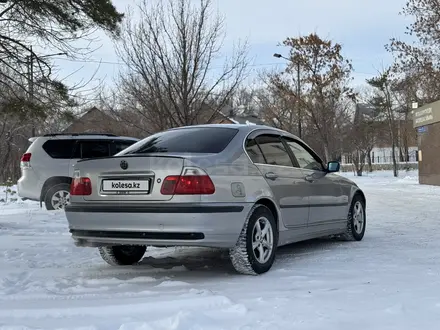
(122, 308)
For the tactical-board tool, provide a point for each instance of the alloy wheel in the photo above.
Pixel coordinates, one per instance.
(358, 217)
(60, 199)
(262, 240)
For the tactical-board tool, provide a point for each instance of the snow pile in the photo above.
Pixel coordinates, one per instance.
(8, 194)
(390, 280)
(385, 177)
(409, 179)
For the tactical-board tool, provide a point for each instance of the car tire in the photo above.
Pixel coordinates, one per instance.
(122, 255)
(59, 190)
(356, 220)
(244, 257)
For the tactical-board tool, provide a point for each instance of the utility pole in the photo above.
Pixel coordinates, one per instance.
(298, 91)
(30, 66)
(298, 98)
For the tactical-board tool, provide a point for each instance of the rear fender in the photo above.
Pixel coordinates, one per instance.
(50, 183)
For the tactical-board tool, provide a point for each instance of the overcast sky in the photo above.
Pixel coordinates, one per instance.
(361, 26)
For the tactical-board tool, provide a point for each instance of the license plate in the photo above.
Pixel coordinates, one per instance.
(125, 185)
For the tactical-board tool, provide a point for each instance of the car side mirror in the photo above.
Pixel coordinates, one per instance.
(333, 167)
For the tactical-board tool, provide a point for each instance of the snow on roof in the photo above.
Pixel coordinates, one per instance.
(233, 120)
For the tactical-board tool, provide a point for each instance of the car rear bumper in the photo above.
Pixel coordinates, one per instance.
(29, 187)
(209, 225)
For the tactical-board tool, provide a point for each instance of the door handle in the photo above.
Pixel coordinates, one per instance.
(271, 175)
(309, 178)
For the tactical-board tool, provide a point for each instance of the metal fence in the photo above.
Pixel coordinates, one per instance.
(412, 158)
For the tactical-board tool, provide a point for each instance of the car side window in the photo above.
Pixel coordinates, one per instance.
(305, 159)
(254, 152)
(59, 149)
(120, 145)
(95, 149)
(77, 151)
(273, 150)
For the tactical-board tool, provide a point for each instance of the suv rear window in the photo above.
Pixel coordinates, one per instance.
(120, 145)
(59, 149)
(94, 149)
(185, 140)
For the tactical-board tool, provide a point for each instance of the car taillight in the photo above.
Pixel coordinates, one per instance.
(193, 181)
(26, 160)
(81, 187)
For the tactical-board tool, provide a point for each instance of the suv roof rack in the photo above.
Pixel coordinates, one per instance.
(79, 134)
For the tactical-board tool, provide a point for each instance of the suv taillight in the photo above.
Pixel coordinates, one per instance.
(81, 187)
(193, 181)
(26, 160)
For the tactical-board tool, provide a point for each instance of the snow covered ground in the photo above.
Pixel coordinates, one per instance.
(390, 280)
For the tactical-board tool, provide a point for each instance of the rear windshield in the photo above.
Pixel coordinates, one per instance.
(185, 140)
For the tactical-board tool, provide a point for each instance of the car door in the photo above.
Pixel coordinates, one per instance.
(285, 180)
(328, 204)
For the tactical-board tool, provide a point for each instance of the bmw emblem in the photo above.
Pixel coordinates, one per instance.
(124, 165)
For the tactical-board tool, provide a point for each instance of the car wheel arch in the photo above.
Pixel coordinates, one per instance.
(51, 182)
(360, 193)
(272, 207)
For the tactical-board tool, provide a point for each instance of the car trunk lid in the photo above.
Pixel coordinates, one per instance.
(129, 178)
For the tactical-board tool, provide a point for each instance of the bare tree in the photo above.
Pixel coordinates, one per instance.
(383, 100)
(424, 32)
(134, 110)
(278, 103)
(324, 97)
(363, 136)
(245, 101)
(19, 117)
(417, 62)
(171, 54)
(405, 90)
(49, 25)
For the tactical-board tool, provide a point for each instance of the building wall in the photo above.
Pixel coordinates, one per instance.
(429, 164)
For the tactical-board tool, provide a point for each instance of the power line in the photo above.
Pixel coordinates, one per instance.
(122, 63)
(217, 67)
(87, 61)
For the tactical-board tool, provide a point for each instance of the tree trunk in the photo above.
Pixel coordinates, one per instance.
(395, 167)
(406, 149)
(358, 163)
(4, 168)
(391, 125)
(370, 165)
(326, 153)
